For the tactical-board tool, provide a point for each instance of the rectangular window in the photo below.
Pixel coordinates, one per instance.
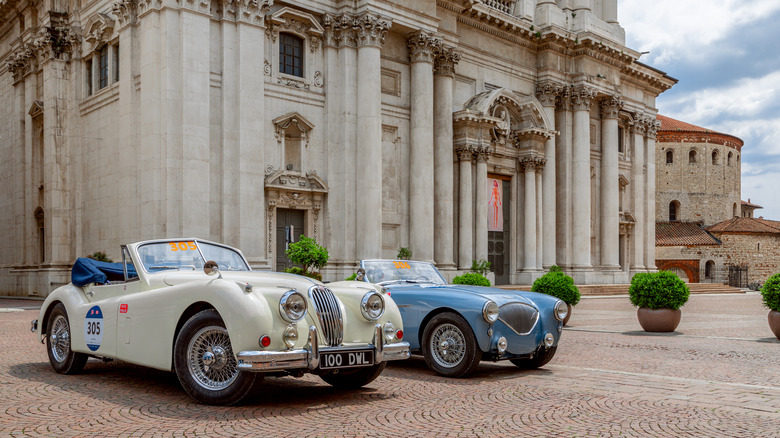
(116, 63)
(620, 140)
(103, 69)
(290, 55)
(88, 73)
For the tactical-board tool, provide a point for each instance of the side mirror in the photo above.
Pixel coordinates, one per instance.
(361, 275)
(211, 268)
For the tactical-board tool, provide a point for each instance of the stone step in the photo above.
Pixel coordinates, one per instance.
(622, 289)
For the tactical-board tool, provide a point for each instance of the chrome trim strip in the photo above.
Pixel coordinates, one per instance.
(379, 343)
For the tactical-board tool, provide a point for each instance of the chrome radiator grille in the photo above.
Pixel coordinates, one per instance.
(329, 314)
(521, 318)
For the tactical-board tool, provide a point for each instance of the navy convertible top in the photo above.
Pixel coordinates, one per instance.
(87, 270)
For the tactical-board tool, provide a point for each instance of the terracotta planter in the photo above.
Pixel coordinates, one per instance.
(568, 314)
(774, 322)
(658, 320)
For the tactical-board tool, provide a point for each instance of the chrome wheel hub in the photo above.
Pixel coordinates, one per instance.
(448, 346)
(59, 339)
(210, 359)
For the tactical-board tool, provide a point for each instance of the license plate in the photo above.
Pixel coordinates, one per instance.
(346, 359)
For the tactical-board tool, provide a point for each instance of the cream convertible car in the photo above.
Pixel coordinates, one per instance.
(196, 308)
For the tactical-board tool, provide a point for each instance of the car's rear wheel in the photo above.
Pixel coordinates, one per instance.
(540, 359)
(205, 363)
(354, 378)
(449, 346)
(62, 358)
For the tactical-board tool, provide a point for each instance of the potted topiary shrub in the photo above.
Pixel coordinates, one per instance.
(771, 295)
(309, 254)
(559, 285)
(659, 296)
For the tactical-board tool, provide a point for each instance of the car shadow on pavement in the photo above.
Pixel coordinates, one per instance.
(132, 386)
(644, 333)
(415, 368)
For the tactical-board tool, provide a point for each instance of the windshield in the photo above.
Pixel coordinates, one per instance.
(401, 271)
(188, 255)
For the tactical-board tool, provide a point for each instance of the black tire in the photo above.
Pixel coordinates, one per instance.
(62, 358)
(205, 364)
(449, 346)
(540, 359)
(356, 378)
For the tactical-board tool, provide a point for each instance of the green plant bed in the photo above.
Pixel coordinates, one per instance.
(771, 293)
(559, 285)
(471, 278)
(658, 290)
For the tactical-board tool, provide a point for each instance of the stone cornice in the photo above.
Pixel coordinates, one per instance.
(423, 46)
(445, 60)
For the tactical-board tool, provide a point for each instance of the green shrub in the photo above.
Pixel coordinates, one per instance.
(771, 292)
(299, 271)
(352, 277)
(471, 278)
(556, 268)
(100, 256)
(658, 290)
(559, 285)
(404, 254)
(308, 254)
(481, 267)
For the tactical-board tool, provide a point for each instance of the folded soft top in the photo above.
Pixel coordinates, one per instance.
(87, 270)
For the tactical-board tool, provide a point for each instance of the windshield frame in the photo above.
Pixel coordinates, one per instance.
(194, 246)
(394, 267)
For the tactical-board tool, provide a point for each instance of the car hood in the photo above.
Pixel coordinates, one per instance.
(500, 296)
(256, 278)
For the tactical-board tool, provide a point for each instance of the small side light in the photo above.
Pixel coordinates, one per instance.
(265, 341)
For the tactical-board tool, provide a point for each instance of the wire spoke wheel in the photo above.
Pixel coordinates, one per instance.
(60, 338)
(210, 359)
(448, 345)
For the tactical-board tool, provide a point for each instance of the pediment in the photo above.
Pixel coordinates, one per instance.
(295, 181)
(295, 20)
(294, 118)
(36, 108)
(99, 29)
(522, 112)
(622, 180)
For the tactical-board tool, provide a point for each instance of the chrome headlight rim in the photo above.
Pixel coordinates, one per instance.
(561, 310)
(367, 313)
(490, 311)
(284, 307)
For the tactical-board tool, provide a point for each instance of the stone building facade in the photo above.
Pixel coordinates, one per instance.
(518, 131)
(704, 231)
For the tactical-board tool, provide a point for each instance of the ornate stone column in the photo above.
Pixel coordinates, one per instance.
(371, 30)
(481, 207)
(540, 227)
(582, 99)
(465, 209)
(563, 178)
(652, 129)
(528, 166)
(547, 93)
(610, 196)
(443, 214)
(638, 195)
(422, 49)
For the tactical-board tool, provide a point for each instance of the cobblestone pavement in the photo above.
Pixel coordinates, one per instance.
(718, 375)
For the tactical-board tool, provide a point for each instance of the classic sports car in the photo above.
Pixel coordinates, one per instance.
(196, 308)
(456, 326)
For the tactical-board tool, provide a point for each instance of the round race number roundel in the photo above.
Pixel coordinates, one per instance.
(93, 328)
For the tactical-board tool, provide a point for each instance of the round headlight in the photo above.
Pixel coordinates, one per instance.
(372, 306)
(292, 306)
(561, 310)
(490, 311)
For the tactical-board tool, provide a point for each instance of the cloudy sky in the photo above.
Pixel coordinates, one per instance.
(726, 56)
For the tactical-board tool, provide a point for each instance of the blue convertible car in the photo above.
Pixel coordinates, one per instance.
(456, 326)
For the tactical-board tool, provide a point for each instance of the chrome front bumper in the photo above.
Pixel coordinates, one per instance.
(262, 361)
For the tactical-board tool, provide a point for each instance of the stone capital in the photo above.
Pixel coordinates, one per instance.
(444, 62)
(371, 30)
(531, 164)
(563, 101)
(339, 30)
(423, 46)
(582, 98)
(610, 107)
(548, 92)
(125, 11)
(639, 127)
(482, 154)
(253, 11)
(464, 153)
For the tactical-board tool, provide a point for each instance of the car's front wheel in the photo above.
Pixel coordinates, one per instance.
(449, 346)
(539, 359)
(355, 378)
(205, 363)
(62, 358)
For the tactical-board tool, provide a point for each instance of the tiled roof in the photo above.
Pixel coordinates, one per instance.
(749, 204)
(746, 225)
(676, 131)
(670, 124)
(682, 234)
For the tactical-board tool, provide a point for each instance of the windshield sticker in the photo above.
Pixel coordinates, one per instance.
(93, 328)
(183, 246)
(402, 265)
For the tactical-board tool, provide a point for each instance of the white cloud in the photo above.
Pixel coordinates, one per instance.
(762, 190)
(672, 29)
